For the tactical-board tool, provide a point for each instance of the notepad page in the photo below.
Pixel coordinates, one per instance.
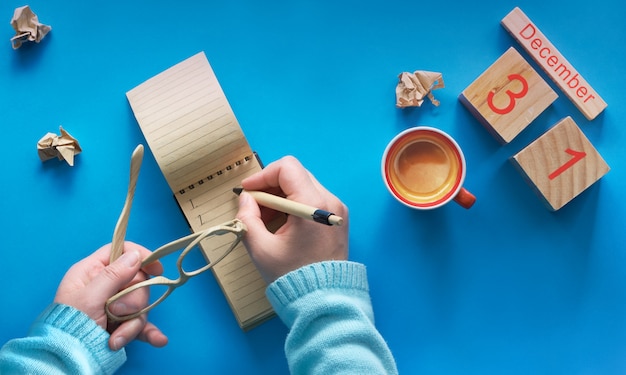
(203, 153)
(187, 121)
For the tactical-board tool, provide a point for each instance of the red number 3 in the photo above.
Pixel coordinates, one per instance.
(512, 95)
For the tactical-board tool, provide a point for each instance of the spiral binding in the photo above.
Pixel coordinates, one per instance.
(217, 173)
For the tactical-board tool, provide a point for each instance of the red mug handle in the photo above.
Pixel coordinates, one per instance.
(464, 198)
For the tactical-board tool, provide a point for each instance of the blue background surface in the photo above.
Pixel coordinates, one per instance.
(505, 287)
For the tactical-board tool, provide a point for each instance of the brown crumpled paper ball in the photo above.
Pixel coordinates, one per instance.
(27, 27)
(414, 87)
(63, 147)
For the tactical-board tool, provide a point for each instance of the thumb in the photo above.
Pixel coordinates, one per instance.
(115, 276)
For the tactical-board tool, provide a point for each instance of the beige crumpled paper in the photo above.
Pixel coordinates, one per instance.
(414, 87)
(63, 147)
(27, 27)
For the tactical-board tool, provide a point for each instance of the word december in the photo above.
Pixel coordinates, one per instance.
(562, 70)
(554, 64)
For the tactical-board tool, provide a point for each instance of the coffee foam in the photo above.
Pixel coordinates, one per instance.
(423, 168)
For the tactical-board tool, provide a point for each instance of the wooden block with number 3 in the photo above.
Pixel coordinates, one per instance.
(560, 164)
(507, 96)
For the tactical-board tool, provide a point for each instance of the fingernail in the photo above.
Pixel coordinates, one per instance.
(130, 258)
(119, 343)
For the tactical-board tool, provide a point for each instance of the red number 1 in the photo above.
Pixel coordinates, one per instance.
(576, 157)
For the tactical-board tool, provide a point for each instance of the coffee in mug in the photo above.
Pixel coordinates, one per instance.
(424, 168)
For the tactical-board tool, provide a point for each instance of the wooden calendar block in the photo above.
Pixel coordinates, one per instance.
(560, 164)
(575, 87)
(508, 96)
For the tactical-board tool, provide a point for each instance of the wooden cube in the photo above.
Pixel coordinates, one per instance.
(560, 164)
(508, 96)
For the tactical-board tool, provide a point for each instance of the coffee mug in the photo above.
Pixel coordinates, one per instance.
(424, 168)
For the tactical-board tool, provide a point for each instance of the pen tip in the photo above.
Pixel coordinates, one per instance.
(237, 190)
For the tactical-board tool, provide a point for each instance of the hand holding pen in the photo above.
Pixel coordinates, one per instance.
(293, 208)
(297, 242)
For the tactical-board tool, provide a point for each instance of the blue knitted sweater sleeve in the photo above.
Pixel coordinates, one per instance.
(328, 311)
(63, 340)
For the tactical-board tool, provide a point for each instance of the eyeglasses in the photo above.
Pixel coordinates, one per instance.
(217, 242)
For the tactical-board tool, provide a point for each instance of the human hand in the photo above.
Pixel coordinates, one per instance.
(299, 241)
(88, 284)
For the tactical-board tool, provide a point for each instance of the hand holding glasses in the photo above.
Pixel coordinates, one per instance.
(217, 241)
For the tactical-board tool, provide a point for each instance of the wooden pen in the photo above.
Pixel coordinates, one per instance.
(293, 208)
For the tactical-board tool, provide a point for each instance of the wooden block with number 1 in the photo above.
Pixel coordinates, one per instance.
(560, 164)
(507, 96)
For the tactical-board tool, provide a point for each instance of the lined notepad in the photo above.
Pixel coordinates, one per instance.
(203, 153)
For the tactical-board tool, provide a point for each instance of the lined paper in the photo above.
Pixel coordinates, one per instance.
(187, 121)
(203, 153)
